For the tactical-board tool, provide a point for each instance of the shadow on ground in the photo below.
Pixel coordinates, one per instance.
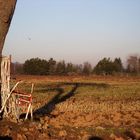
(58, 98)
(95, 138)
(5, 138)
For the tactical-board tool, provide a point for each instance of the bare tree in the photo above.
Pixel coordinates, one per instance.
(7, 8)
(133, 64)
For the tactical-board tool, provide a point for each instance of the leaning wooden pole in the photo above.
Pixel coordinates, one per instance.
(7, 8)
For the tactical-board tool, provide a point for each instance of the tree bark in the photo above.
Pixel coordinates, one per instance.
(7, 8)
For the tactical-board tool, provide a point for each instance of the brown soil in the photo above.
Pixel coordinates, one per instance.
(69, 120)
(78, 119)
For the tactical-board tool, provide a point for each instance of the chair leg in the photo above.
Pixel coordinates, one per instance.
(31, 112)
(28, 111)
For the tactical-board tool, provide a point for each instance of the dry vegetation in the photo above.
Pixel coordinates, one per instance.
(79, 107)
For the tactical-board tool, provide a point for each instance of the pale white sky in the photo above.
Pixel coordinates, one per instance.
(74, 30)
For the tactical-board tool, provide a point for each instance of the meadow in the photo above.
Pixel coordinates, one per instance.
(86, 102)
(80, 107)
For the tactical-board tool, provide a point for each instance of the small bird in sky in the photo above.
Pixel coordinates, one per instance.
(29, 38)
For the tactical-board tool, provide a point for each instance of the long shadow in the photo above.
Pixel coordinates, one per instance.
(58, 98)
(95, 138)
(99, 85)
(5, 138)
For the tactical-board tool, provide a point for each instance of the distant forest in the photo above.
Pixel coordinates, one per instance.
(106, 66)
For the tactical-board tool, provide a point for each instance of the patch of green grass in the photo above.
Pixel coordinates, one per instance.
(44, 92)
(112, 92)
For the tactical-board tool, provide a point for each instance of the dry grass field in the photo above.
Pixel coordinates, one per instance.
(80, 107)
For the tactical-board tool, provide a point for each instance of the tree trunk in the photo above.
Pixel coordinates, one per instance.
(7, 8)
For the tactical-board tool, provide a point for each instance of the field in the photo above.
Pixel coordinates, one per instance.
(79, 107)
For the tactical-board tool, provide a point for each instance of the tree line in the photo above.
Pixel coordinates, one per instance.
(106, 66)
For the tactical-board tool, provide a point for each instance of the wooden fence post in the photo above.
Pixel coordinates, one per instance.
(5, 83)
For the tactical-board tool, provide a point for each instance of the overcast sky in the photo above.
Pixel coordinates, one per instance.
(74, 30)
